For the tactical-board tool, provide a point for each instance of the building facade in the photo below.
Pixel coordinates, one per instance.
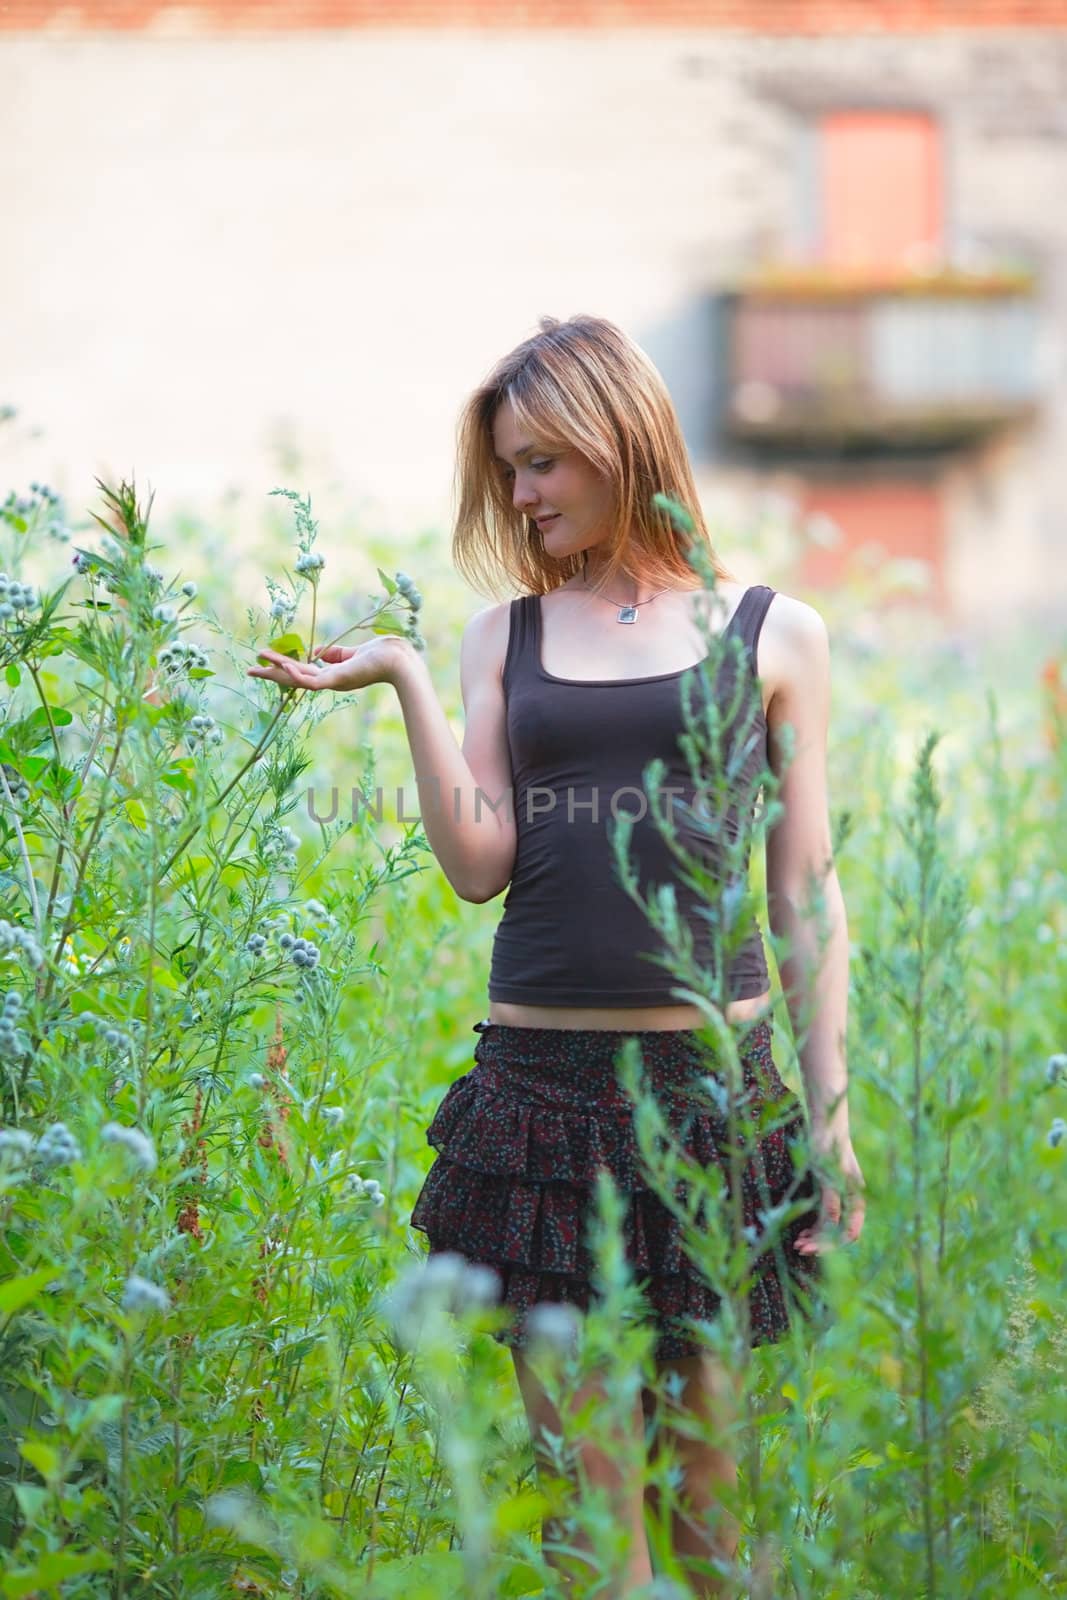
(244, 229)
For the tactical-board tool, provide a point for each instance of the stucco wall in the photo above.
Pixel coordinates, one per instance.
(329, 236)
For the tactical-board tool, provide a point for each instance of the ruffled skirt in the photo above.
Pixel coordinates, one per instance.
(522, 1135)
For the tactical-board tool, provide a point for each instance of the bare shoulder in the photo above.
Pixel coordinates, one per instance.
(485, 645)
(794, 647)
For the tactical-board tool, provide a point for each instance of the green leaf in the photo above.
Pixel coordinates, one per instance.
(179, 775)
(389, 584)
(18, 1292)
(388, 625)
(288, 644)
(239, 1470)
(13, 675)
(44, 1457)
(32, 1499)
(52, 1569)
(34, 729)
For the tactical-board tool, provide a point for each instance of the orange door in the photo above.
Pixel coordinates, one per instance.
(881, 190)
(904, 519)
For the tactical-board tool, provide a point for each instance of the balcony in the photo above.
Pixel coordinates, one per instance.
(813, 361)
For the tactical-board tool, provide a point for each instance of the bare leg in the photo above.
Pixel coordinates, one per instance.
(599, 1468)
(700, 1527)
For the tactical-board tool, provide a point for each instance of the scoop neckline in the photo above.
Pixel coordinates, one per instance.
(604, 683)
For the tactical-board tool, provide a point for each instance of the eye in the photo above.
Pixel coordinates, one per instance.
(507, 473)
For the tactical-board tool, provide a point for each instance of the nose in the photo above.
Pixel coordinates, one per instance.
(523, 495)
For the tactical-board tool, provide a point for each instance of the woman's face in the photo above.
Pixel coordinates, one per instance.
(560, 485)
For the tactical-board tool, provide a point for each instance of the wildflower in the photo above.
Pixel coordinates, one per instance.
(255, 944)
(282, 610)
(286, 941)
(403, 582)
(15, 1145)
(553, 1324)
(1056, 1132)
(445, 1282)
(256, 1080)
(13, 1042)
(333, 1115)
(189, 590)
(138, 1144)
(203, 729)
(141, 1294)
(304, 953)
(309, 564)
(82, 562)
(14, 939)
(20, 789)
(117, 1039)
(178, 657)
(165, 613)
(277, 845)
(57, 1146)
(357, 1187)
(231, 1508)
(1056, 1069)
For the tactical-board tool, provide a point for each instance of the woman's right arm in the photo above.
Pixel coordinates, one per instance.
(465, 799)
(465, 795)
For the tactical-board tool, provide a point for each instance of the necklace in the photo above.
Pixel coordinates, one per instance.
(627, 613)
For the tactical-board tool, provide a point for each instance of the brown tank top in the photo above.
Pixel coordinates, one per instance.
(570, 935)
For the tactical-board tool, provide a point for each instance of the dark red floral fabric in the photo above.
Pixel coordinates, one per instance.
(521, 1136)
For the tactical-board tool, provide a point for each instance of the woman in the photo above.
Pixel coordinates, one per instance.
(569, 691)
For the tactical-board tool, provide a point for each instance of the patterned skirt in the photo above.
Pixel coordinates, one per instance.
(522, 1135)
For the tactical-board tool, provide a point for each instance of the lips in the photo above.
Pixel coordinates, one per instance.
(542, 522)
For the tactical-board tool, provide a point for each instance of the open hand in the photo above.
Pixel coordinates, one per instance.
(338, 666)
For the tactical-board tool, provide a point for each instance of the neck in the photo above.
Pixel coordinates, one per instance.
(624, 587)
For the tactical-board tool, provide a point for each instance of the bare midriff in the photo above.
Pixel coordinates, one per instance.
(628, 1018)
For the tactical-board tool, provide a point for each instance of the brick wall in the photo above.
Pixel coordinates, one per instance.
(782, 17)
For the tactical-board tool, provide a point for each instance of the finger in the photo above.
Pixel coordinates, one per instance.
(297, 672)
(814, 1243)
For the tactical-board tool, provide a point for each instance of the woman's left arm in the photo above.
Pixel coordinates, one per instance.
(805, 907)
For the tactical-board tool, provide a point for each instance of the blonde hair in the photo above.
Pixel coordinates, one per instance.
(584, 385)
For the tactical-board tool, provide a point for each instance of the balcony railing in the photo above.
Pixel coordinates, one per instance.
(814, 362)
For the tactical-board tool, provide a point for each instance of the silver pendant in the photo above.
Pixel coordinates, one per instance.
(627, 614)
